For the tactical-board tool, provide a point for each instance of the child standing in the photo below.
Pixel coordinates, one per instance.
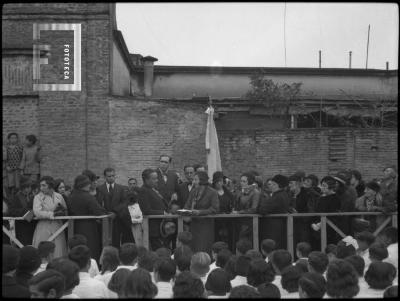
(13, 161)
(136, 218)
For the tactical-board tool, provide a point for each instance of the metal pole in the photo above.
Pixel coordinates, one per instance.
(387, 65)
(320, 59)
(366, 63)
(349, 59)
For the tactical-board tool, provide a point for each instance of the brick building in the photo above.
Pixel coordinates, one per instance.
(129, 111)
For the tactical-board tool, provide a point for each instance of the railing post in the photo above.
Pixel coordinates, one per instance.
(323, 233)
(105, 231)
(180, 226)
(394, 220)
(71, 228)
(289, 229)
(255, 233)
(145, 225)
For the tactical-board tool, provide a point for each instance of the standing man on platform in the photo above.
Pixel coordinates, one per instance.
(185, 187)
(167, 180)
(113, 198)
(151, 202)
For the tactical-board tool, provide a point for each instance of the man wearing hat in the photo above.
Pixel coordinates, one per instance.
(10, 287)
(82, 203)
(274, 228)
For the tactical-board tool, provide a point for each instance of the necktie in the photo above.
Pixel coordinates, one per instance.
(111, 190)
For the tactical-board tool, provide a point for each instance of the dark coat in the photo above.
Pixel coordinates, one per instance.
(205, 199)
(152, 203)
(167, 188)
(11, 289)
(82, 203)
(23, 277)
(274, 228)
(20, 205)
(183, 194)
(327, 204)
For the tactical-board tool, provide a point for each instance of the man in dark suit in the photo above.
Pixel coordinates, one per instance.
(113, 198)
(151, 202)
(185, 187)
(167, 180)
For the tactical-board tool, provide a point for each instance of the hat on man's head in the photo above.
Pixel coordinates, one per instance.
(10, 258)
(90, 174)
(81, 181)
(373, 185)
(343, 176)
(281, 180)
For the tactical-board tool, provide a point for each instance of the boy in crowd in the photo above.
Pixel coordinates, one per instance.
(165, 271)
(48, 284)
(241, 268)
(77, 240)
(267, 247)
(318, 262)
(215, 249)
(378, 252)
(242, 246)
(364, 240)
(200, 265)
(302, 251)
(87, 287)
(46, 253)
(280, 260)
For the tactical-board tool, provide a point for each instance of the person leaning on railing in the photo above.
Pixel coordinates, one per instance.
(274, 228)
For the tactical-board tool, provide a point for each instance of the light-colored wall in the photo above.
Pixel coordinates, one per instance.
(187, 85)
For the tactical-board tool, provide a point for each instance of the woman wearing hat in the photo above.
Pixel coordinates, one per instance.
(48, 204)
(82, 203)
(275, 227)
(203, 200)
(223, 226)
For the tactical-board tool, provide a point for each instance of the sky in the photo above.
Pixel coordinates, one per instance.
(252, 34)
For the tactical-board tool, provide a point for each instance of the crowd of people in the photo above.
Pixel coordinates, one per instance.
(214, 250)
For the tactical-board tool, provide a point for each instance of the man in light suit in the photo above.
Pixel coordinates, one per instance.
(113, 197)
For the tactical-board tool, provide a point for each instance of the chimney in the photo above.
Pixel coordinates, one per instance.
(320, 59)
(148, 68)
(349, 59)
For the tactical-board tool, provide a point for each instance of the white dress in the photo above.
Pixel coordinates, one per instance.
(43, 208)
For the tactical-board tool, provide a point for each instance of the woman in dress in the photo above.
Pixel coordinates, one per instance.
(223, 226)
(47, 205)
(203, 200)
(246, 203)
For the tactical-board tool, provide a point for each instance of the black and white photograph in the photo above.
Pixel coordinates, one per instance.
(218, 150)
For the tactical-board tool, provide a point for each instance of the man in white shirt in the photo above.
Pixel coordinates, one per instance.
(46, 253)
(200, 265)
(280, 260)
(88, 287)
(267, 247)
(215, 248)
(128, 254)
(79, 239)
(165, 271)
(241, 268)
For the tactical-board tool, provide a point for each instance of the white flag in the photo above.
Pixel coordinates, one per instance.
(212, 147)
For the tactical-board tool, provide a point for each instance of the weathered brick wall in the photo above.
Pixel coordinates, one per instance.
(142, 130)
(20, 115)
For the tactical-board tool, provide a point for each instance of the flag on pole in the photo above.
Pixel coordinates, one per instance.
(212, 147)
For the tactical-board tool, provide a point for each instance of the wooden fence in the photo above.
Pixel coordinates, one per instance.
(325, 221)
(106, 222)
(105, 219)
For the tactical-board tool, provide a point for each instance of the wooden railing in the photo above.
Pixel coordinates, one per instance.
(325, 221)
(105, 219)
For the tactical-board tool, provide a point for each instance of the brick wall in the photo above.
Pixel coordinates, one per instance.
(142, 130)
